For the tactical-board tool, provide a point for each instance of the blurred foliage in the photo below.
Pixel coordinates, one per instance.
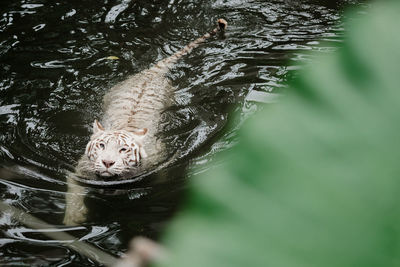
(315, 179)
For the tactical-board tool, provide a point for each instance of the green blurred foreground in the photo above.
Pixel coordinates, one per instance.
(315, 179)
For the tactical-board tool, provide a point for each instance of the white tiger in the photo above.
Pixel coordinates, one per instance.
(127, 144)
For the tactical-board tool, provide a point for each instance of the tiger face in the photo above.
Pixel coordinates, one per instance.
(114, 153)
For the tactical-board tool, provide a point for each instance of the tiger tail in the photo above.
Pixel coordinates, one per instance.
(170, 61)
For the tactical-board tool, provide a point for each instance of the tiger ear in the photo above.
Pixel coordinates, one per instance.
(142, 152)
(97, 127)
(141, 133)
(88, 147)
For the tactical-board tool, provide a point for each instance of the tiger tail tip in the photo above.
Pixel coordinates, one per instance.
(222, 24)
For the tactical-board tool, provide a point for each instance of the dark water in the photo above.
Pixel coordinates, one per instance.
(54, 71)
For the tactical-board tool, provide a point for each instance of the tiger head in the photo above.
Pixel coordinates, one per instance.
(114, 153)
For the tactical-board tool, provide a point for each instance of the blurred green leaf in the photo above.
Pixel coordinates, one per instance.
(315, 179)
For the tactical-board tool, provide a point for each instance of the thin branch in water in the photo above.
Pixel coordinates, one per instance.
(68, 240)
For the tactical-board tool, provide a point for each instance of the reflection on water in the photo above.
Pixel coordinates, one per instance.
(54, 69)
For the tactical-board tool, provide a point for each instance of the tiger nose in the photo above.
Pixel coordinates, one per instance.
(108, 163)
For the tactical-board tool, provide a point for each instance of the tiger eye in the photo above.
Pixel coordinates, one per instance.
(102, 145)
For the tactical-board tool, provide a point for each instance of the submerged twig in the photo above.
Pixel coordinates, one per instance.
(68, 240)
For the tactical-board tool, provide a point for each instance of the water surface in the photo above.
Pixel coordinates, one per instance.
(54, 71)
